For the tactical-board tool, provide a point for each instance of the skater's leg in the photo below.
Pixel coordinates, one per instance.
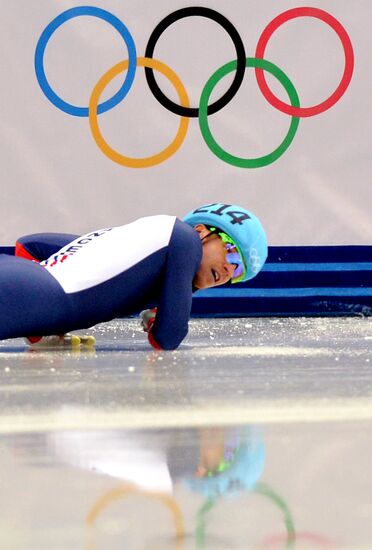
(31, 301)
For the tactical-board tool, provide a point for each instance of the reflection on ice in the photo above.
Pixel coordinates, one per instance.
(252, 435)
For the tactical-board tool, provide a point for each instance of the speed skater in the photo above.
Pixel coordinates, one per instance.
(153, 264)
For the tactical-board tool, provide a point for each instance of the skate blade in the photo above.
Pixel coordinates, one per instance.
(67, 341)
(75, 340)
(71, 340)
(87, 340)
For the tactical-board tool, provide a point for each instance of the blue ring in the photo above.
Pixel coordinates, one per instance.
(43, 41)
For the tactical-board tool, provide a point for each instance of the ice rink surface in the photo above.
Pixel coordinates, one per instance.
(101, 448)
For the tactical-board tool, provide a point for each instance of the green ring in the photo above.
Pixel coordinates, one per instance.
(261, 489)
(203, 114)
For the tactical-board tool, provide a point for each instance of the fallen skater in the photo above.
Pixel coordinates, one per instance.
(152, 264)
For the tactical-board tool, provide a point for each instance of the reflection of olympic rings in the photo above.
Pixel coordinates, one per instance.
(260, 489)
(315, 539)
(44, 39)
(238, 65)
(93, 119)
(266, 491)
(129, 489)
(349, 61)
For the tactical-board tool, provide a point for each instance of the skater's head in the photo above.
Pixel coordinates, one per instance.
(234, 244)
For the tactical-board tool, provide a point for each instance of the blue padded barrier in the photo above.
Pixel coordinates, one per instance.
(7, 250)
(298, 281)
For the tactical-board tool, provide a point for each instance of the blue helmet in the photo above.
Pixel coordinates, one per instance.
(243, 228)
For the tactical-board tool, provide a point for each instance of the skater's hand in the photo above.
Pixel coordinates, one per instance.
(148, 318)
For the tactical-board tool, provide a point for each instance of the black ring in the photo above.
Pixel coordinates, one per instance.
(240, 53)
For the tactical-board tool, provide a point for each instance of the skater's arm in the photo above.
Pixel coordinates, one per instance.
(42, 245)
(173, 312)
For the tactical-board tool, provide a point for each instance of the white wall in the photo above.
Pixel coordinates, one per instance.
(55, 178)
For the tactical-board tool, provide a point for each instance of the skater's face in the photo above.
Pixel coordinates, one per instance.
(214, 268)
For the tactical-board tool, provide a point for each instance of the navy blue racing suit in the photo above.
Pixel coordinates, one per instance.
(112, 272)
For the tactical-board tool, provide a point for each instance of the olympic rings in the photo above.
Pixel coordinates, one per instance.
(93, 119)
(349, 61)
(183, 109)
(203, 119)
(240, 53)
(44, 39)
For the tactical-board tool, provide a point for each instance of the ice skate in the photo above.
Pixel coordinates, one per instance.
(60, 341)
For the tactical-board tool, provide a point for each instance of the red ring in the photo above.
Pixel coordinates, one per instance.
(346, 77)
(318, 540)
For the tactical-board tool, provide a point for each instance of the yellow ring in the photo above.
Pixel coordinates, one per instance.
(129, 489)
(93, 118)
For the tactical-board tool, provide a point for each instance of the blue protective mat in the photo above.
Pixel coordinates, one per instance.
(298, 280)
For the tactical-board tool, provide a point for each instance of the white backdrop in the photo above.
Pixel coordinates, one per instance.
(55, 178)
